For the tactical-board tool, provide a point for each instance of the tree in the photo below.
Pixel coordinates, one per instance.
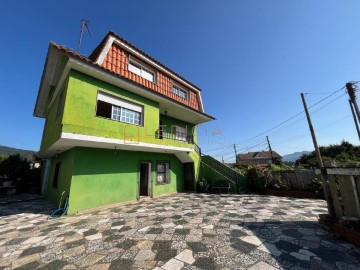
(344, 152)
(15, 167)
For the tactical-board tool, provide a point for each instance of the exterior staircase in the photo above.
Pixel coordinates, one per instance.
(220, 170)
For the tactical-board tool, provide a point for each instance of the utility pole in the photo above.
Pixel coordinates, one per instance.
(323, 177)
(351, 91)
(236, 157)
(222, 157)
(236, 175)
(317, 151)
(271, 153)
(354, 116)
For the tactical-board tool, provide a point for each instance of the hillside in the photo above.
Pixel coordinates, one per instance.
(7, 151)
(294, 156)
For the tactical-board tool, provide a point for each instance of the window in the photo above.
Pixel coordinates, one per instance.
(163, 173)
(142, 71)
(118, 109)
(180, 133)
(179, 92)
(56, 174)
(129, 116)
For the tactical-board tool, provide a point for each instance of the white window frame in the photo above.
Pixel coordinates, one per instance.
(176, 89)
(123, 117)
(180, 133)
(142, 68)
(118, 107)
(166, 173)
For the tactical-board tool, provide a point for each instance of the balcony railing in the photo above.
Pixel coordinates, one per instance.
(174, 136)
(178, 137)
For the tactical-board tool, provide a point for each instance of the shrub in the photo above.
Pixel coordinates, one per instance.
(260, 180)
(317, 187)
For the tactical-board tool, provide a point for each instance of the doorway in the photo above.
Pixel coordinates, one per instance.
(145, 179)
(189, 176)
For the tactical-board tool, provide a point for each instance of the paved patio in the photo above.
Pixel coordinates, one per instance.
(182, 231)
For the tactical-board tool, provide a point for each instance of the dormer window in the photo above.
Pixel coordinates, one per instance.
(180, 92)
(141, 70)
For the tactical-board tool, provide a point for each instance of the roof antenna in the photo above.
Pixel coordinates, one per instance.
(84, 24)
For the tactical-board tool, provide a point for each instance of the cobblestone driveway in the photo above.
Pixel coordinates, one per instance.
(182, 231)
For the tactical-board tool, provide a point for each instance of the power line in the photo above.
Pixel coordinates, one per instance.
(287, 120)
(243, 149)
(325, 98)
(233, 156)
(326, 104)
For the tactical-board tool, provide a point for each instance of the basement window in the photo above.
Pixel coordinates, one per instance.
(163, 173)
(119, 110)
(57, 174)
(179, 92)
(142, 71)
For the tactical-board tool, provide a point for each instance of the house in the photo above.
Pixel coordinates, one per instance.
(33, 158)
(119, 126)
(263, 158)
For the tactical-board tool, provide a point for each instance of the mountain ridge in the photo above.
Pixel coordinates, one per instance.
(294, 156)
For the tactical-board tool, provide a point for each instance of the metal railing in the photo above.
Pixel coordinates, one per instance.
(174, 136)
(231, 175)
(179, 138)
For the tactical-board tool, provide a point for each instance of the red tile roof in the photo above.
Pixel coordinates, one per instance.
(95, 54)
(78, 56)
(261, 155)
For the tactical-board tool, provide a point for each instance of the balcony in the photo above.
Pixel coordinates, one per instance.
(79, 136)
(162, 135)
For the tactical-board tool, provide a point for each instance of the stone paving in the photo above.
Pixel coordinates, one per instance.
(182, 231)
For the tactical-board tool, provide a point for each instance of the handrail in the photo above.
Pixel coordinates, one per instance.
(229, 179)
(197, 148)
(222, 169)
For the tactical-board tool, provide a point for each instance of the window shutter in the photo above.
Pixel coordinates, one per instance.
(147, 75)
(134, 69)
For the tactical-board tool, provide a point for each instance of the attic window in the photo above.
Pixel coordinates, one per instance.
(141, 70)
(179, 92)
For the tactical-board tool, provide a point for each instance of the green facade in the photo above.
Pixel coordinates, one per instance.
(93, 177)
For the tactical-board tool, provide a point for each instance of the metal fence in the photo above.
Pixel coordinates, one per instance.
(297, 179)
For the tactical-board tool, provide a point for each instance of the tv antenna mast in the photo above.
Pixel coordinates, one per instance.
(84, 24)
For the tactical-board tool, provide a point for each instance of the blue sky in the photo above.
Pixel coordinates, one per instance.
(252, 59)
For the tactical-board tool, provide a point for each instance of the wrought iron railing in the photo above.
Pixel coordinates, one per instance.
(179, 138)
(174, 136)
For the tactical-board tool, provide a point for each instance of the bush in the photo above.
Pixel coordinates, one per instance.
(17, 169)
(260, 180)
(14, 167)
(317, 187)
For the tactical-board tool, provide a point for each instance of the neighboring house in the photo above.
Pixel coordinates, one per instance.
(263, 158)
(119, 125)
(33, 158)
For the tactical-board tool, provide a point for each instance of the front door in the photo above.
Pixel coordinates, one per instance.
(189, 176)
(144, 179)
